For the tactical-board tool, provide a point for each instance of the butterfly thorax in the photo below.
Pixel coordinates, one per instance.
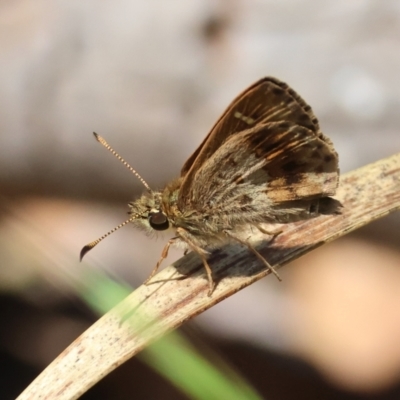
(200, 221)
(185, 216)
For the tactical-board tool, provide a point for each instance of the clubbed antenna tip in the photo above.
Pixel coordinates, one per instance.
(90, 245)
(86, 249)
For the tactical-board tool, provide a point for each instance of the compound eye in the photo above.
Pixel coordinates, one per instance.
(158, 221)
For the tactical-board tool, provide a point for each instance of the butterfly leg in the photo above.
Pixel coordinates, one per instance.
(164, 255)
(267, 232)
(186, 237)
(251, 248)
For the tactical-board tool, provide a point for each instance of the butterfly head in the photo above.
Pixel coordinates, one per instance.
(149, 213)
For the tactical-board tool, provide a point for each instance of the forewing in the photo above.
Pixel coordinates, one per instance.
(266, 101)
(274, 163)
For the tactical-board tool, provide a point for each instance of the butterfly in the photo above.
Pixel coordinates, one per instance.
(264, 161)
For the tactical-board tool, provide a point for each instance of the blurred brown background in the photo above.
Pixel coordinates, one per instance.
(152, 77)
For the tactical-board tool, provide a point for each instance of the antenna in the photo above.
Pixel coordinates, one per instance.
(90, 245)
(109, 148)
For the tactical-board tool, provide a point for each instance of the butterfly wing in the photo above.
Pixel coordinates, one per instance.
(266, 101)
(260, 169)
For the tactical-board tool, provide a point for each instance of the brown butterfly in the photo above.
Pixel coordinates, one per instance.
(264, 161)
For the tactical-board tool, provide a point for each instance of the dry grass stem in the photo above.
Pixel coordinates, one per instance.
(368, 193)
